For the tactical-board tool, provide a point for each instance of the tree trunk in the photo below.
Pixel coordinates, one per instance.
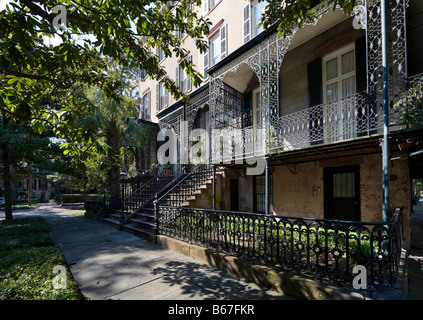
(114, 141)
(7, 179)
(85, 187)
(30, 181)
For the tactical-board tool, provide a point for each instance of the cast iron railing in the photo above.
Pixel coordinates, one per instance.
(318, 248)
(340, 120)
(149, 190)
(130, 185)
(187, 186)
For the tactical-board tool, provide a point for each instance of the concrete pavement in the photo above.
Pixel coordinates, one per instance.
(109, 264)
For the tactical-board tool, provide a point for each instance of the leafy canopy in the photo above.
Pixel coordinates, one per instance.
(43, 69)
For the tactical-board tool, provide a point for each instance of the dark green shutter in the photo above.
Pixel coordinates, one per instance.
(315, 97)
(361, 64)
(314, 73)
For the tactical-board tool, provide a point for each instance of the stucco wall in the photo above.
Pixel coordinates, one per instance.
(302, 194)
(230, 11)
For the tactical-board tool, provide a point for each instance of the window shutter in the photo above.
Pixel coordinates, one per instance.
(157, 97)
(315, 82)
(205, 6)
(223, 41)
(178, 79)
(206, 63)
(315, 97)
(189, 84)
(148, 106)
(361, 64)
(142, 107)
(247, 24)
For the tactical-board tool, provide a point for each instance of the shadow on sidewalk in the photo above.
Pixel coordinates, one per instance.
(189, 276)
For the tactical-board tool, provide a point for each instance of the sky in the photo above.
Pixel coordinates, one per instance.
(55, 40)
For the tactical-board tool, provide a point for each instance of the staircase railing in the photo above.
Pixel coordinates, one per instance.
(149, 190)
(186, 187)
(130, 185)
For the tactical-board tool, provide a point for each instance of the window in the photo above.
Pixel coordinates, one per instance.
(160, 54)
(208, 5)
(339, 74)
(146, 106)
(339, 86)
(143, 74)
(217, 46)
(215, 49)
(260, 194)
(257, 10)
(162, 96)
(182, 79)
(252, 14)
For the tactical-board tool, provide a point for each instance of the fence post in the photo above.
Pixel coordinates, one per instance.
(122, 202)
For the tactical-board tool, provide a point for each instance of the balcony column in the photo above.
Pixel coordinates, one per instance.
(267, 187)
(214, 186)
(385, 143)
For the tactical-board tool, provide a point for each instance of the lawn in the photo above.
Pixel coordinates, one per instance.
(27, 261)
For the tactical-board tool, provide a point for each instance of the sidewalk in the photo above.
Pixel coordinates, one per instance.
(109, 264)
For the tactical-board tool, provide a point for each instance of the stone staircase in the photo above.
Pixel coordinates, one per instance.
(139, 198)
(190, 189)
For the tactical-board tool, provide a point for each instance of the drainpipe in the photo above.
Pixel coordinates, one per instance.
(214, 186)
(267, 158)
(385, 142)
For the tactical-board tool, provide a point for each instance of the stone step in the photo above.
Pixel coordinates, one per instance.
(139, 230)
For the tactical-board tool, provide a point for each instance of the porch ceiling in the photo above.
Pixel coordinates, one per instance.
(326, 22)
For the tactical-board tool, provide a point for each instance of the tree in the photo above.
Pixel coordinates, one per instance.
(43, 83)
(116, 116)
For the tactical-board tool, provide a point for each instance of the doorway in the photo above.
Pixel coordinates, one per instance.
(234, 194)
(342, 193)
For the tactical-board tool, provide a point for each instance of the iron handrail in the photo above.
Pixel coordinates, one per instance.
(139, 203)
(180, 182)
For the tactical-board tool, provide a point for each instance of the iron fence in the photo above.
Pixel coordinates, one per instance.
(318, 248)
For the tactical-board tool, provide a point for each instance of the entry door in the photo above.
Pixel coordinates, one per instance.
(342, 193)
(234, 194)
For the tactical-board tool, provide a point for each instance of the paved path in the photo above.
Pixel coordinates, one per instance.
(112, 264)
